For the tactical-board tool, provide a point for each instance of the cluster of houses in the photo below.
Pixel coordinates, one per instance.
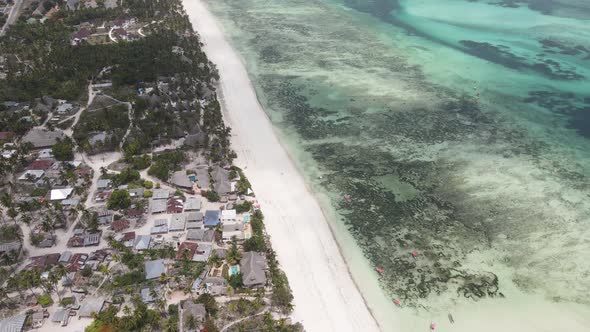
(52, 111)
(121, 29)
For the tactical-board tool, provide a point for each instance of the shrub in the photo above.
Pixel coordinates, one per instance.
(209, 302)
(127, 279)
(147, 193)
(140, 162)
(119, 199)
(173, 309)
(86, 271)
(255, 243)
(63, 150)
(148, 184)
(212, 196)
(39, 192)
(244, 207)
(235, 281)
(44, 300)
(66, 301)
(125, 176)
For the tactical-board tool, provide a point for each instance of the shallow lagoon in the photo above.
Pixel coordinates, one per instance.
(459, 128)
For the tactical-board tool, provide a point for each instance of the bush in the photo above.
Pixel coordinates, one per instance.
(39, 192)
(148, 184)
(119, 199)
(173, 309)
(255, 243)
(147, 193)
(209, 302)
(244, 207)
(63, 150)
(125, 176)
(235, 281)
(66, 301)
(36, 239)
(44, 300)
(166, 163)
(212, 196)
(128, 279)
(141, 162)
(86, 271)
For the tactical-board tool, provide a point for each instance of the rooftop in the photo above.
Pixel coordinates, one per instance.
(194, 216)
(13, 324)
(191, 247)
(90, 305)
(154, 269)
(42, 138)
(60, 194)
(177, 222)
(252, 266)
(192, 204)
(142, 242)
(211, 217)
(200, 235)
(160, 194)
(158, 205)
(181, 179)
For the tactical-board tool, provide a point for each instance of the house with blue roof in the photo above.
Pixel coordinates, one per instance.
(211, 218)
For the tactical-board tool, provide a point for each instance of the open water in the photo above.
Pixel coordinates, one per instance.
(459, 129)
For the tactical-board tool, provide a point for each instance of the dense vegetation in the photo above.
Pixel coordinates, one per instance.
(111, 121)
(64, 149)
(55, 67)
(166, 163)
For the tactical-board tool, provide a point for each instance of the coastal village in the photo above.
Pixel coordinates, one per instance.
(121, 208)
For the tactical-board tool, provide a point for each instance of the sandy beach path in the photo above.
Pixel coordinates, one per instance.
(326, 299)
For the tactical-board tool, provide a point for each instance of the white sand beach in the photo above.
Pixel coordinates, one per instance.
(326, 298)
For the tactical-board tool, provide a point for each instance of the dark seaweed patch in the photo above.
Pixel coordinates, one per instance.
(577, 108)
(554, 47)
(501, 54)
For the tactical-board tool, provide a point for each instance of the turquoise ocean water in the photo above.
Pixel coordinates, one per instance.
(460, 130)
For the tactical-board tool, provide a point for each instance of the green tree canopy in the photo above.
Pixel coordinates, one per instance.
(119, 199)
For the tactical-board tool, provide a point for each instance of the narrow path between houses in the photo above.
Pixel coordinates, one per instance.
(227, 326)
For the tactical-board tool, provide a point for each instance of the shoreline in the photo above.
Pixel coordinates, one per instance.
(325, 295)
(519, 311)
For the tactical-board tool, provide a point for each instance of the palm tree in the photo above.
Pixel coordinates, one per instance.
(59, 209)
(54, 278)
(13, 214)
(48, 225)
(62, 271)
(3, 295)
(191, 322)
(9, 258)
(215, 260)
(105, 270)
(163, 278)
(6, 200)
(12, 282)
(233, 254)
(26, 219)
(126, 310)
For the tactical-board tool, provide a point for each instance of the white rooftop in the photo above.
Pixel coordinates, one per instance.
(60, 194)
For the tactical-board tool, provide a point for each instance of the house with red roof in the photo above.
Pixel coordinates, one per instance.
(40, 165)
(190, 247)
